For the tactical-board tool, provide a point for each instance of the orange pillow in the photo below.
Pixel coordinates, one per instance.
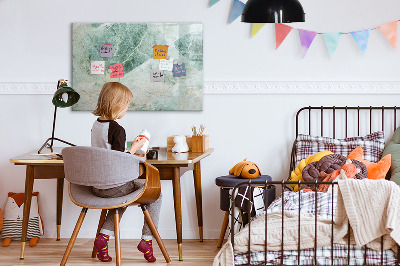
(375, 170)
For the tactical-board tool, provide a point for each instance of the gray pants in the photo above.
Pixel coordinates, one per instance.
(154, 208)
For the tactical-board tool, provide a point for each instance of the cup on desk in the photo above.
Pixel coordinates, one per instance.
(152, 155)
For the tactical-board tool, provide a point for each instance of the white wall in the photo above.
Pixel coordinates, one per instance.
(35, 44)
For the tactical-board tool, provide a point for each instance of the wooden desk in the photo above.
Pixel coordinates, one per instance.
(168, 164)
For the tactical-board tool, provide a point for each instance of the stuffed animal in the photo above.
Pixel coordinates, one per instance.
(180, 144)
(245, 169)
(13, 215)
(1, 220)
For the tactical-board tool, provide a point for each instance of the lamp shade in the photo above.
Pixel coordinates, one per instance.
(65, 96)
(273, 11)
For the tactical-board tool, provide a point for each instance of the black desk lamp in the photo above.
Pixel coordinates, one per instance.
(273, 11)
(64, 97)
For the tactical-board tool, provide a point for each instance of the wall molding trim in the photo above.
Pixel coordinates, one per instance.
(247, 87)
(302, 87)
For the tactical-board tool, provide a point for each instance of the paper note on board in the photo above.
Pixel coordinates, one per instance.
(117, 70)
(106, 50)
(110, 79)
(97, 67)
(160, 51)
(166, 64)
(157, 75)
(179, 70)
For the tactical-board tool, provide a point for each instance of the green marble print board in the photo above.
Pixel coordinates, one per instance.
(133, 47)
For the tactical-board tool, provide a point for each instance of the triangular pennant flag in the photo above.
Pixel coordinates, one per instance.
(281, 31)
(237, 9)
(213, 2)
(306, 39)
(361, 37)
(390, 32)
(332, 41)
(256, 28)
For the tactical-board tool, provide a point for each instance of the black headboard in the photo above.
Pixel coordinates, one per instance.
(344, 121)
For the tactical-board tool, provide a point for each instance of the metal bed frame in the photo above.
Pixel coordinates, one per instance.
(283, 184)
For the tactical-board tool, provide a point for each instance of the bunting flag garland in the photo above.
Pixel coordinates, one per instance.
(281, 31)
(306, 39)
(361, 37)
(256, 28)
(332, 41)
(213, 2)
(389, 30)
(237, 9)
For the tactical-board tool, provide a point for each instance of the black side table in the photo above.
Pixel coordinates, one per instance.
(226, 183)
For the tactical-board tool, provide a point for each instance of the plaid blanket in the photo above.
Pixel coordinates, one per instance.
(323, 205)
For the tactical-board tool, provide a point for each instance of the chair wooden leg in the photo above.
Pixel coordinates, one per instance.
(223, 229)
(154, 230)
(101, 222)
(73, 237)
(117, 238)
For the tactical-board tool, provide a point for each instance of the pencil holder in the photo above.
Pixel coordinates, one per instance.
(200, 143)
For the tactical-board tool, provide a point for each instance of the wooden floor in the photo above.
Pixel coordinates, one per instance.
(50, 252)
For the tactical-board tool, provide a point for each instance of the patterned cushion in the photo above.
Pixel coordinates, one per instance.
(372, 144)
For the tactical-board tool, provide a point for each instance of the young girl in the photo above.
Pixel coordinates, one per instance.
(113, 103)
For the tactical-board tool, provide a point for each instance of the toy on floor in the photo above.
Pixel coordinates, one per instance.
(13, 215)
(1, 219)
(245, 169)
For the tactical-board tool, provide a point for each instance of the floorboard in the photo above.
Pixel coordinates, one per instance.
(50, 252)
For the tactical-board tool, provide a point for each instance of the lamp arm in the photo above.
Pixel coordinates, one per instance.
(54, 126)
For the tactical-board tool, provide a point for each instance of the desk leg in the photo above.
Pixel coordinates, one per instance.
(199, 204)
(27, 206)
(176, 182)
(60, 190)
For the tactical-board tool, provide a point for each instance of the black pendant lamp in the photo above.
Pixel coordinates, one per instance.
(273, 11)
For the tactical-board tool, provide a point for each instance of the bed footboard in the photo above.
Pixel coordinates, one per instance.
(384, 258)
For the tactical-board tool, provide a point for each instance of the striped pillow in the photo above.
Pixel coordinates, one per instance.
(372, 145)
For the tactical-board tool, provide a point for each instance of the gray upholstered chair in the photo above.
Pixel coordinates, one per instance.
(85, 167)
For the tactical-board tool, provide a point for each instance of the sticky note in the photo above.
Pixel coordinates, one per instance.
(117, 70)
(106, 50)
(160, 51)
(157, 75)
(110, 79)
(97, 67)
(166, 64)
(179, 70)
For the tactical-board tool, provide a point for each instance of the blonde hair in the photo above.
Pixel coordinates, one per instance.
(113, 97)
